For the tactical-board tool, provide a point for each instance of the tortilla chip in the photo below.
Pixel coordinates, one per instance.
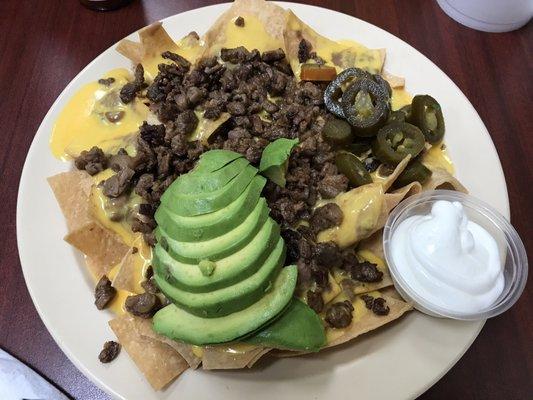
(442, 179)
(263, 27)
(355, 287)
(374, 244)
(341, 55)
(371, 321)
(218, 357)
(365, 210)
(72, 190)
(258, 356)
(103, 247)
(158, 362)
(364, 321)
(392, 292)
(388, 182)
(145, 330)
(395, 82)
(125, 278)
(155, 40)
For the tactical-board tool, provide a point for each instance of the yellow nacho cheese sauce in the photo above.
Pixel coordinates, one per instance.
(359, 313)
(252, 35)
(83, 124)
(140, 260)
(361, 209)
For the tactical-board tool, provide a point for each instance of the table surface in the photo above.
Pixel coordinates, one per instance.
(44, 45)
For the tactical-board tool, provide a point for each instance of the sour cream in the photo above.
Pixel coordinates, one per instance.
(447, 260)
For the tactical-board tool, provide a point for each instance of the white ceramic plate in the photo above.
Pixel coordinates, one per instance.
(399, 361)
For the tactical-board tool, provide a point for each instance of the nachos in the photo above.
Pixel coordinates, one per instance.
(230, 190)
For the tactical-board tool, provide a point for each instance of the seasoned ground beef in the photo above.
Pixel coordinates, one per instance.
(239, 21)
(130, 89)
(143, 305)
(304, 51)
(103, 293)
(339, 315)
(328, 254)
(109, 352)
(364, 271)
(325, 217)
(92, 161)
(315, 301)
(377, 305)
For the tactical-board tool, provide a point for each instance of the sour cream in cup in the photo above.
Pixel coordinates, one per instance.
(451, 255)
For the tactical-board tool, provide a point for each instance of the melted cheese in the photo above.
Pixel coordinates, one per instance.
(141, 259)
(437, 157)
(400, 97)
(82, 123)
(206, 127)
(252, 36)
(361, 209)
(359, 312)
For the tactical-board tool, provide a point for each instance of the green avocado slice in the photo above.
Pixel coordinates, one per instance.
(196, 183)
(178, 324)
(208, 226)
(188, 206)
(274, 160)
(230, 299)
(298, 328)
(218, 247)
(213, 160)
(228, 271)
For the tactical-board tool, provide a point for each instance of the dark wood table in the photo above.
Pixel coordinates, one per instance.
(45, 43)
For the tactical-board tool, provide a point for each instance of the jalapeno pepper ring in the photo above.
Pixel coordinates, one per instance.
(334, 90)
(366, 106)
(351, 167)
(414, 172)
(426, 113)
(396, 140)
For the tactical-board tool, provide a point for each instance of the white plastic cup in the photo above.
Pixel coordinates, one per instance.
(512, 252)
(489, 15)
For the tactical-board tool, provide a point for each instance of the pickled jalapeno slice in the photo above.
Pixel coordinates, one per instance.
(366, 106)
(351, 167)
(414, 172)
(337, 132)
(426, 113)
(333, 91)
(396, 140)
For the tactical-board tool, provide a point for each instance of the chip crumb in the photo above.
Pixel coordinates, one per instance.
(109, 352)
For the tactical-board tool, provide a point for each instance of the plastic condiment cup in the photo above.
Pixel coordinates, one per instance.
(512, 252)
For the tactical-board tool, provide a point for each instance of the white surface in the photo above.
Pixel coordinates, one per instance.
(489, 15)
(409, 356)
(18, 381)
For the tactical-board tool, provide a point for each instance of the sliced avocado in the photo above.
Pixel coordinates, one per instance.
(208, 226)
(298, 328)
(230, 299)
(196, 183)
(212, 201)
(218, 247)
(228, 271)
(213, 160)
(178, 324)
(274, 160)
